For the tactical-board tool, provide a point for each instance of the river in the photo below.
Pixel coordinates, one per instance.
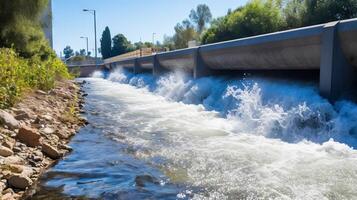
(213, 138)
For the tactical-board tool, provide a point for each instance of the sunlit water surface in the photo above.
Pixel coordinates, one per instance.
(212, 138)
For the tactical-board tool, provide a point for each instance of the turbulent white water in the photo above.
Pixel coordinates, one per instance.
(237, 139)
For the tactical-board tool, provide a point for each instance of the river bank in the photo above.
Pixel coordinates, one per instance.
(34, 134)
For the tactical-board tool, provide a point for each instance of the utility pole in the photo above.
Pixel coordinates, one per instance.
(95, 34)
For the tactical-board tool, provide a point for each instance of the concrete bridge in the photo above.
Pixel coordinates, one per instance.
(85, 70)
(330, 49)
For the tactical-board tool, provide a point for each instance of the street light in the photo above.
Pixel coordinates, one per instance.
(86, 43)
(95, 33)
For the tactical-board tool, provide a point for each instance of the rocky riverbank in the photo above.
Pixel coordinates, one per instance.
(34, 134)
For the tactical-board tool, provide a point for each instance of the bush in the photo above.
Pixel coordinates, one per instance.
(309, 12)
(256, 17)
(265, 16)
(21, 27)
(18, 75)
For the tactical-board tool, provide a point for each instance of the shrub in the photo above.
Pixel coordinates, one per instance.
(18, 74)
(256, 17)
(264, 16)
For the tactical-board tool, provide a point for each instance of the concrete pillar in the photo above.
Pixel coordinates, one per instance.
(157, 68)
(337, 76)
(137, 67)
(200, 68)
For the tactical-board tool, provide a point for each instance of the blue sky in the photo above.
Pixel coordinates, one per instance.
(134, 18)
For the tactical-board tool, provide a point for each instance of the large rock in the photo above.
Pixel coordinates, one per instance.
(48, 130)
(29, 136)
(5, 152)
(14, 168)
(50, 151)
(14, 160)
(22, 115)
(7, 196)
(62, 135)
(19, 181)
(2, 186)
(9, 143)
(8, 120)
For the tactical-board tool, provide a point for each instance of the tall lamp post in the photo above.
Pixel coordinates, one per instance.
(95, 33)
(86, 42)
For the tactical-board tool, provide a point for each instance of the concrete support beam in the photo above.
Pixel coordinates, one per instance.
(137, 67)
(200, 68)
(337, 76)
(157, 68)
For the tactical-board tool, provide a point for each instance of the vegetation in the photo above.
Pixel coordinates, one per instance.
(121, 45)
(254, 18)
(106, 43)
(81, 52)
(184, 33)
(189, 29)
(201, 16)
(26, 59)
(264, 16)
(117, 45)
(18, 74)
(21, 28)
(68, 52)
(309, 12)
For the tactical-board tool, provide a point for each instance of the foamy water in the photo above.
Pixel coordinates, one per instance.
(236, 139)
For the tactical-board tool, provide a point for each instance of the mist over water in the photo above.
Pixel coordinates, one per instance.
(221, 138)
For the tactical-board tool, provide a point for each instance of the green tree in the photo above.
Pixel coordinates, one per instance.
(294, 13)
(299, 13)
(68, 52)
(106, 43)
(138, 45)
(201, 16)
(21, 27)
(121, 45)
(82, 52)
(148, 44)
(325, 11)
(168, 42)
(184, 32)
(256, 17)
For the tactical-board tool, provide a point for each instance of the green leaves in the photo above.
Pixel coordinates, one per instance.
(264, 16)
(21, 28)
(18, 74)
(106, 43)
(256, 17)
(120, 45)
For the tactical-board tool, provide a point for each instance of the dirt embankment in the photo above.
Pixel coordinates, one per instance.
(34, 134)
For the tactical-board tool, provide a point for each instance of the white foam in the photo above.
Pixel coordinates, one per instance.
(97, 74)
(251, 139)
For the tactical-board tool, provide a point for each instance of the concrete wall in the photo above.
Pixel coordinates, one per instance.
(86, 70)
(330, 48)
